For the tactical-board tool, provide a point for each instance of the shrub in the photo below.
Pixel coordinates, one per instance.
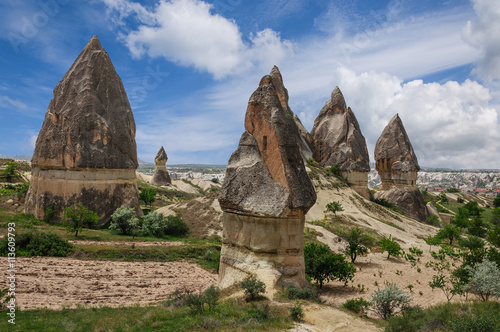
(215, 180)
(147, 195)
(124, 220)
(484, 280)
(496, 202)
(443, 283)
(10, 170)
(49, 214)
(253, 287)
(334, 207)
(323, 265)
(335, 171)
(391, 246)
(473, 208)
(416, 251)
(443, 198)
(311, 162)
(38, 244)
(432, 220)
(460, 200)
(296, 312)
(449, 232)
(355, 243)
(478, 227)
(389, 301)
(357, 305)
(197, 302)
(156, 225)
(78, 217)
(307, 293)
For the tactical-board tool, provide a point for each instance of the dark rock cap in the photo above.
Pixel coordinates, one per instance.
(337, 137)
(161, 156)
(89, 122)
(266, 174)
(393, 151)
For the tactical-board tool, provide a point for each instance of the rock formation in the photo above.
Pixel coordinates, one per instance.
(397, 165)
(160, 175)
(266, 194)
(86, 151)
(337, 139)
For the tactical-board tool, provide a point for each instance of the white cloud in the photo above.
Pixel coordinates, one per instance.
(12, 103)
(483, 33)
(449, 125)
(186, 32)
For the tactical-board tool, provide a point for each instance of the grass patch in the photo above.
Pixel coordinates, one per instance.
(229, 315)
(470, 316)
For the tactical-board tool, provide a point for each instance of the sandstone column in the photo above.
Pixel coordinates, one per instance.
(266, 194)
(86, 151)
(160, 175)
(338, 140)
(397, 165)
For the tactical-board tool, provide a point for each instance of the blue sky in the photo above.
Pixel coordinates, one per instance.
(189, 67)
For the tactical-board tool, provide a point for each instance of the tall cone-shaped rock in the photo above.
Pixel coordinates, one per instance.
(86, 151)
(266, 194)
(398, 167)
(338, 140)
(160, 175)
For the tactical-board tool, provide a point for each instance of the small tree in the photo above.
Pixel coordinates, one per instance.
(355, 243)
(323, 265)
(449, 232)
(334, 207)
(443, 283)
(124, 220)
(484, 280)
(473, 208)
(432, 220)
(443, 198)
(478, 227)
(10, 170)
(391, 246)
(496, 202)
(461, 218)
(148, 196)
(253, 288)
(78, 217)
(389, 301)
(432, 241)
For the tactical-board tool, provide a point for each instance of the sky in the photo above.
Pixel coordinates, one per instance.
(190, 66)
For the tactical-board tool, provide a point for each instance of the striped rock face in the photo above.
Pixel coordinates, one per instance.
(86, 151)
(266, 194)
(338, 140)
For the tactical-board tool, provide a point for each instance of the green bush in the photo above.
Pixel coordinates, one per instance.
(433, 220)
(148, 196)
(38, 244)
(124, 220)
(296, 312)
(323, 265)
(154, 224)
(311, 162)
(335, 171)
(199, 303)
(484, 280)
(10, 170)
(496, 202)
(334, 207)
(253, 287)
(391, 246)
(389, 301)
(356, 241)
(78, 217)
(449, 232)
(307, 293)
(460, 200)
(357, 305)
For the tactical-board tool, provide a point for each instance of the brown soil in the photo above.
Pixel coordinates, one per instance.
(64, 282)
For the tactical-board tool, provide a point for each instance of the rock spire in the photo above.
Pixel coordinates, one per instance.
(86, 151)
(338, 140)
(266, 193)
(160, 175)
(397, 166)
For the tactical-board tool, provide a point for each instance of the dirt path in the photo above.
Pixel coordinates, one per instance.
(320, 318)
(55, 282)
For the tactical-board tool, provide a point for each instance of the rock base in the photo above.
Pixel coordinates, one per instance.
(102, 191)
(358, 181)
(271, 249)
(161, 176)
(409, 199)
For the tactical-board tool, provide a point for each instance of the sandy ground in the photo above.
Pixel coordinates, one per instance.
(57, 282)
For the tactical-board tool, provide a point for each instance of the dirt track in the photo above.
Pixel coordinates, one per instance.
(55, 282)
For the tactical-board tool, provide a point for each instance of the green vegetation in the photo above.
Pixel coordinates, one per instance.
(307, 293)
(496, 202)
(78, 217)
(449, 232)
(254, 288)
(357, 305)
(37, 244)
(10, 170)
(391, 246)
(155, 224)
(334, 207)
(356, 240)
(456, 317)
(311, 163)
(124, 220)
(449, 286)
(484, 280)
(148, 196)
(324, 265)
(389, 301)
(296, 312)
(433, 220)
(334, 171)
